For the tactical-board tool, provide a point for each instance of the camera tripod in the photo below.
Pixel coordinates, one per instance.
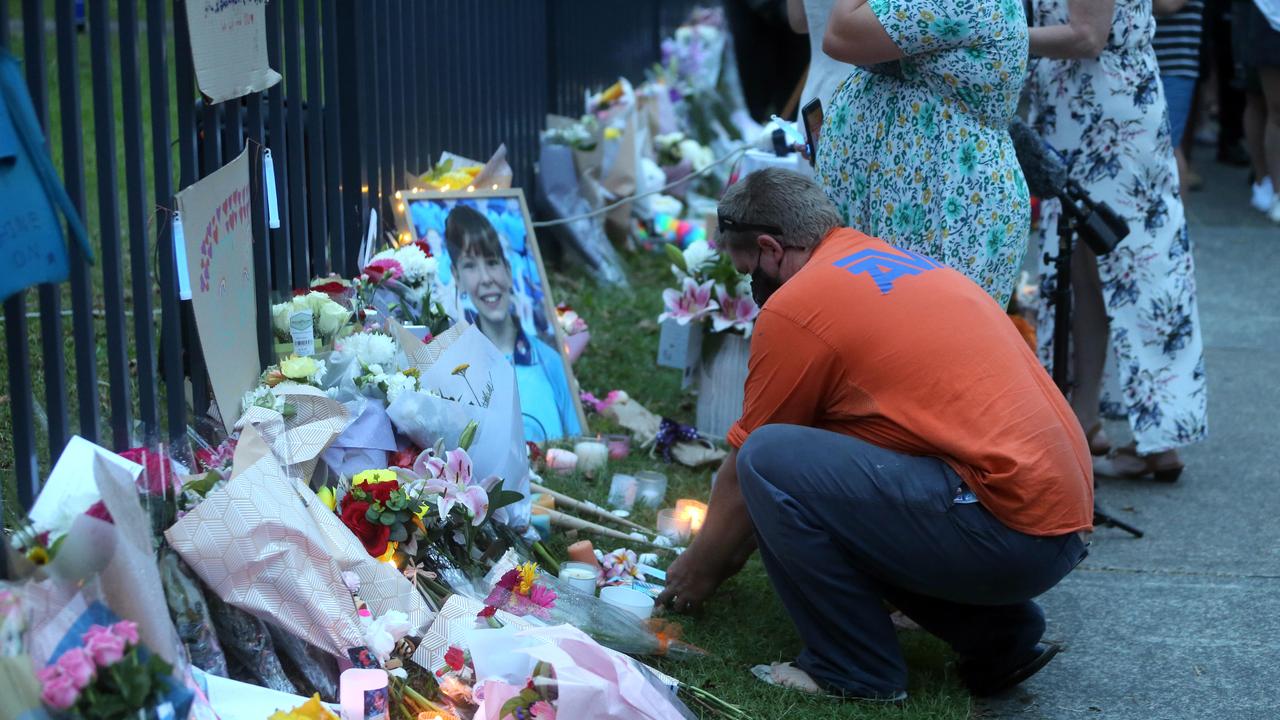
(1067, 227)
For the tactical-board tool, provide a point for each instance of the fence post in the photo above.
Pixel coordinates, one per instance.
(350, 70)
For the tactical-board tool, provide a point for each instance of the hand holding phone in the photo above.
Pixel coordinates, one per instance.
(811, 118)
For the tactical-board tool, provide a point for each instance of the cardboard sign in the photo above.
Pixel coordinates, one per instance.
(229, 47)
(216, 215)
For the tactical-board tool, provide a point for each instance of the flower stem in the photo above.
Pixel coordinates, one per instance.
(544, 556)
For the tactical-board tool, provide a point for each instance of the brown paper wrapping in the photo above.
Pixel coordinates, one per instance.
(267, 545)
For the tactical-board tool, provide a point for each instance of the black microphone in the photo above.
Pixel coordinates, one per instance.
(1099, 226)
(1045, 172)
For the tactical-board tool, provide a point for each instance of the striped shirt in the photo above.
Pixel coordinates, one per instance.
(1177, 40)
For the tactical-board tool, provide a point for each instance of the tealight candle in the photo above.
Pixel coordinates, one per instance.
(358, 693)
(579, 576)
(672, 525)
(693, 511)
(651, 487)
(592, 455)
(619, 446)
(622, 492)
(562, 460)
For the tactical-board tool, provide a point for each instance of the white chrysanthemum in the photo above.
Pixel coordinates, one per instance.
(262, 396)
(418, 268)
(399, 383)
(699, 256)
(370, 348)
(698, 155)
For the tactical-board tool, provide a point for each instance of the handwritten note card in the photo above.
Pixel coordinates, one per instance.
(229, 47)
(218, 228)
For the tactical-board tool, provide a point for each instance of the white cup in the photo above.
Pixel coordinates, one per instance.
(633, 601)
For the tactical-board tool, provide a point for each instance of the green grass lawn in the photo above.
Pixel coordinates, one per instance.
(744, 624)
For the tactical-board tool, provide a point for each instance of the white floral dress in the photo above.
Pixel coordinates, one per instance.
(922, 158)
(1108, 116)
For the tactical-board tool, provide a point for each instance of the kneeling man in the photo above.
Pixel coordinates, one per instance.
(900, 443)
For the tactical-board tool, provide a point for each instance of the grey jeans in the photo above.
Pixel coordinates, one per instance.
(844, 526)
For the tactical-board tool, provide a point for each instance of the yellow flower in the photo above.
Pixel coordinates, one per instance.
(312, 709)
(298, 368)
(612, 133)
(461, 369)
(327, 497)
(390, 554)
(38, 556)
(528, 573)
(373, 476)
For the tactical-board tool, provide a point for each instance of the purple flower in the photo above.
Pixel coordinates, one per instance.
(451, 479)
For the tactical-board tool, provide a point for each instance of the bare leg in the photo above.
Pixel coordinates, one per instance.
(1090, 335)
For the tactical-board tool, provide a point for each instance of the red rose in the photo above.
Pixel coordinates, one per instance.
(488, 612)
(455, 658)
(379, 491)
(157, 476)
(373, 536)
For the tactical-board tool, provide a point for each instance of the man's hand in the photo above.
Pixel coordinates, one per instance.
(691, 579)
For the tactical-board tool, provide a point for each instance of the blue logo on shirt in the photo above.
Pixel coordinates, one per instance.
(885, 267)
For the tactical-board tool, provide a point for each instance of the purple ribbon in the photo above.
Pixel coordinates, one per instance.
(670, 433)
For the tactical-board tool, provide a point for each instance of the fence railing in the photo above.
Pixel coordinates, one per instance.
(372, 90)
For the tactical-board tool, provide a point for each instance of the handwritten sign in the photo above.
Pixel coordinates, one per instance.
(216, 215)
(229, 47)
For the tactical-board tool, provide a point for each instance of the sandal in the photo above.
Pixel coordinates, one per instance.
(1141, 466)
(789, 677)
(1099, 443)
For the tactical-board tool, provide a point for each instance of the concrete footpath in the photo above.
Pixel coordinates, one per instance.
(1185, 622)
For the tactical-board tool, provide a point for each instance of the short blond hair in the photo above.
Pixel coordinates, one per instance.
(781, 198)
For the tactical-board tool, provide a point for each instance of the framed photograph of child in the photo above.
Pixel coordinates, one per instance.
(491, 275)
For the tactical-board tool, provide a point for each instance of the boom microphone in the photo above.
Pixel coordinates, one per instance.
(1046, 174)
(1099, 226)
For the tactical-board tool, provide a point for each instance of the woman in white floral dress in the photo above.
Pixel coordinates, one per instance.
(917, 151)
(1096, 96)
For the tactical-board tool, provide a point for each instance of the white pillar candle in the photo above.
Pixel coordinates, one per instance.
(592, 455)
(357, 689)
(579, 576)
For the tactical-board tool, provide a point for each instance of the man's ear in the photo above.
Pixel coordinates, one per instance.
(768, 243)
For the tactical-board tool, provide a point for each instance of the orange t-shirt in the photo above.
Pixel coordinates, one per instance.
(897, 350)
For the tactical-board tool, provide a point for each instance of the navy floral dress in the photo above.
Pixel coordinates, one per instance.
(921, 157)
(1108, 116)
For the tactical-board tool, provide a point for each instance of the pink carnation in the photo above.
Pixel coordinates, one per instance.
(106, 647)
(77, 666)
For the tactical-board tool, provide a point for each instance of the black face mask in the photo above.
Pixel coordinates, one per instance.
(762, 286)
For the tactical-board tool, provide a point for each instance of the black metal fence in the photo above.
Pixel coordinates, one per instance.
(372, 90)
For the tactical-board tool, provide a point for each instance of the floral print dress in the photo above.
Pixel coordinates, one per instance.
(1108, 116)
(921, 157)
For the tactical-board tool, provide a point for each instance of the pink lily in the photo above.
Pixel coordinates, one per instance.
(735, 312)
(688, 304)
(451, 479)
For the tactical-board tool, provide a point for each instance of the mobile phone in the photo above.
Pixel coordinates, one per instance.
(811, 116)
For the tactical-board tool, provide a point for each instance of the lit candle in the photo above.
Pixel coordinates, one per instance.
(579, 576)
(619, 446)
(592, 455)
(692, 510)
(358, 690)
(651, 487)
(562, 460)
(673, 525)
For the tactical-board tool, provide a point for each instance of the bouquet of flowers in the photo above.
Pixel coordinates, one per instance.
(328, 318)
(399, 282)
(703, 272)
(109, 675)
(292, 370)
(582, 135)
(519, 593)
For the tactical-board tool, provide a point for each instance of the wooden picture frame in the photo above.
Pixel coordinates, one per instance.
(421, 215)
